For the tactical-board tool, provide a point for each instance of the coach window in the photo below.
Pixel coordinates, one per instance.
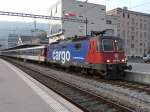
(30, 51)
(42, 52)
(78, 46)
(27, 52)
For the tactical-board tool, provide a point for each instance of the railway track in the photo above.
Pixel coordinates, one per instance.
(131, 85)
(87, 101)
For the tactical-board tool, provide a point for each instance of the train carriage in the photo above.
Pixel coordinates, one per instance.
(27, 52)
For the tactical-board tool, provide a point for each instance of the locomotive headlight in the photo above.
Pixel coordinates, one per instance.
(123, 60)
(108, 61)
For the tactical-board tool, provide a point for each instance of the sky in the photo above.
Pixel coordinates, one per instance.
(41, 6)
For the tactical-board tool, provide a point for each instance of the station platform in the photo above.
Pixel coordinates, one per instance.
(21, 93)
(141, 67)
(140, 73)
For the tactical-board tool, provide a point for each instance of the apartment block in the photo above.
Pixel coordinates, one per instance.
(133, 28)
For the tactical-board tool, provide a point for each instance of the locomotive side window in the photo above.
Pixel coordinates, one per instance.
(118, 45)
(107, 45)
(99, 45)
(77, 46)
(64, 47)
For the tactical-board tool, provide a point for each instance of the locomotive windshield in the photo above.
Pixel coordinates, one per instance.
(107, 45)
(111, 45)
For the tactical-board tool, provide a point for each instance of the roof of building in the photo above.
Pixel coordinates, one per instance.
(129, 11)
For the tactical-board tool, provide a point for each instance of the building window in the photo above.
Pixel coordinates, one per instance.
(132, 46)
(123, 33)
(132, 28)
(141, 25)
(81, 16)
(132, 37)
(145, 19)
(145, 35)
(136, 50)
(141, 35)
(136, 33)
(128, 15)
(141, 44)
(80, 5)
(144, 50)
(145, 26)
(118, 25)
(56, 8)
(141, 50)
(109, 22)
(123, 15)
(132, 21)
(136, 24)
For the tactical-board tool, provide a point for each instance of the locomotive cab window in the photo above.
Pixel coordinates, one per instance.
(107, 45)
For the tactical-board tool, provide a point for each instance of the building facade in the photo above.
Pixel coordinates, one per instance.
(95, 15)
(134, 29)
(111, 23)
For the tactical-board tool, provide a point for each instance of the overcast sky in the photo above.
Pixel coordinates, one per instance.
(41, 6)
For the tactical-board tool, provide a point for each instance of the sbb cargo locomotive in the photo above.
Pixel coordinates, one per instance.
(99, 54)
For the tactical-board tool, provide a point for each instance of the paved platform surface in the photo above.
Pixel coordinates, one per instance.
(140, 73)
(21, 93)
(141, 67)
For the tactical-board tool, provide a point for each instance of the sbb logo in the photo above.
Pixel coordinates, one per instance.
(62, 56)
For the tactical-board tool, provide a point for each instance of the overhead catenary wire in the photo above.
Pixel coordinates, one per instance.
(40, 16)
(140, 5)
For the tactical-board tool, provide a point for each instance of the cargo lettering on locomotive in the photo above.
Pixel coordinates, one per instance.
(62, 56)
